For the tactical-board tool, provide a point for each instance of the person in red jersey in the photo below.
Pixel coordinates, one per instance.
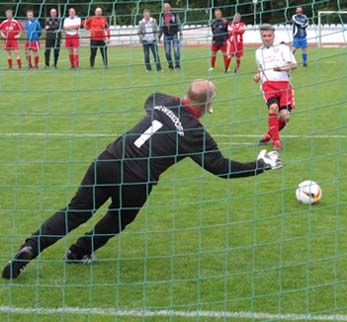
(219, 28)
(236, 29)
(99, 35)
(72, 42)
(274, 65)
(10, 30)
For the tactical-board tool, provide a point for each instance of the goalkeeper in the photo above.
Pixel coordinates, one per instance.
(127, 169)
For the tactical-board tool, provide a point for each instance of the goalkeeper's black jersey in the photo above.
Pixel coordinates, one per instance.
(169, 133)
(219, 29)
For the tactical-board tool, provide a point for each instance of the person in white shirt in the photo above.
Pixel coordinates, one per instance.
(148, 34)
(274, 65)
(72, 39)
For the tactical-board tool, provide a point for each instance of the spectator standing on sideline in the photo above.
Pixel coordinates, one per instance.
(33, 34)
(148, 34)
(99, 36)
(72, 38)
(170, 26)
(300, 23)
(10, 30)
(236, 29)
(274, 65)
(127, 169)
(53, 35)
(219, 28)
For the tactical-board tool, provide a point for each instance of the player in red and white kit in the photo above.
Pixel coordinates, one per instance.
(274, 64)
(10, 30)
(236, 29)
(72, 42)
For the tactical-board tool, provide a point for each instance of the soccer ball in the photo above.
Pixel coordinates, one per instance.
(308, 192)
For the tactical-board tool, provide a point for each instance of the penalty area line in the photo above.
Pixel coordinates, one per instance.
(169, 313)
(114, 135)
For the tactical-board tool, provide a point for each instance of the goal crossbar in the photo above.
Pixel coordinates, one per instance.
(320, 14)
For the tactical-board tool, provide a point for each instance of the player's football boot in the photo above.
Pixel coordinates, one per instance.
(18, 263)
(265, 139)
(72, 256)
(276, 145)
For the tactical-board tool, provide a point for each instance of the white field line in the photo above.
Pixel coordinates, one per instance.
(114, 135)
(170, 313)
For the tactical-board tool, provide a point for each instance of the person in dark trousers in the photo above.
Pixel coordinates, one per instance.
(129, 167)
(170, 26)
(53, 35)
(148, 34)
(99, 36)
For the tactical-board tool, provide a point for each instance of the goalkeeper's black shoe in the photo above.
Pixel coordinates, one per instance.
(73, 257)
(18, 263)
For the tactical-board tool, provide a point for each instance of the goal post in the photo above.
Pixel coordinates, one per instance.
(343, 30)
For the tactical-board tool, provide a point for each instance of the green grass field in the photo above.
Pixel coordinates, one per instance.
(202, 248)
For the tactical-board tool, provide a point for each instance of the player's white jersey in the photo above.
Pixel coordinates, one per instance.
(274, 56)
(72, 21)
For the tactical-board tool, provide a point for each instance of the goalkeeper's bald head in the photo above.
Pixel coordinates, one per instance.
(200, 95)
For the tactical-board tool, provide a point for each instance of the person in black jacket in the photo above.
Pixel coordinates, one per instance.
(127, 169)
(219, 28)
(53, 35)
(170, 26)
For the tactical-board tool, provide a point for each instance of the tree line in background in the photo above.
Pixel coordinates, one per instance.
(129, 12)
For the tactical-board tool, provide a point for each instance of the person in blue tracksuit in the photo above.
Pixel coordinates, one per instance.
(300, 23)
(33, 34)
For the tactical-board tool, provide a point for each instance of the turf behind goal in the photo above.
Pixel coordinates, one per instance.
(202, 248)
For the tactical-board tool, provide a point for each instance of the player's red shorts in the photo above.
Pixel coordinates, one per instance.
(33, 45)
(72, 41)
(223, 48)
(283, 91)
(11, 44)
(235, 49)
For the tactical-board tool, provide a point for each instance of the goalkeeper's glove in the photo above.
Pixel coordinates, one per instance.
(271, 159)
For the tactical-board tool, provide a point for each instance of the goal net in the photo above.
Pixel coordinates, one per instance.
(332, 28)
(202, 248)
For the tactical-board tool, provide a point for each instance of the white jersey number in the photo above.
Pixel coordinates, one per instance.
(156, 125)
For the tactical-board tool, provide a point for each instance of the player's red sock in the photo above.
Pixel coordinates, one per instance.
(213, 61)
(36, 61)
(226, 61)
(72, 61)
(19, 63)
(238, 63)
(76, 58)
(282, 124)
(273, 126)
(9, 61)
(29, 60)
